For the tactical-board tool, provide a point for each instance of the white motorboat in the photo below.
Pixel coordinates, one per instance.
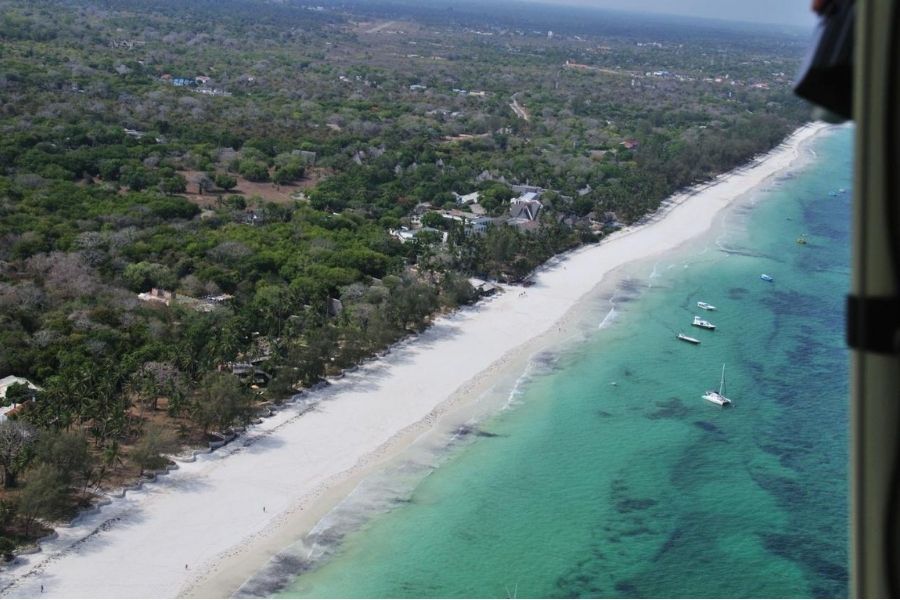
(687, 338)
(702, 323)
(706, 306)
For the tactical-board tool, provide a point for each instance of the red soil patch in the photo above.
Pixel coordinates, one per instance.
(268, 191)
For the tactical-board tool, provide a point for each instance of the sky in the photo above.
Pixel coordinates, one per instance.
(782, 12)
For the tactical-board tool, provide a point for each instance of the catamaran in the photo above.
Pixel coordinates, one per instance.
(706, 306)
(702, 323)
(718, 397)
(687, 338)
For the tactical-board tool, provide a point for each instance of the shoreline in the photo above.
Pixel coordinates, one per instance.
(225, 519)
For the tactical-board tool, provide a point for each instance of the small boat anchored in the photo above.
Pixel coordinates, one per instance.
(718, 397)
(802, 239)
(706, 306)
(703, 323)
(687, 338)
(765, 277)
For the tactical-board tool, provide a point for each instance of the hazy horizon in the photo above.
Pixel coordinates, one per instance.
(794, 13)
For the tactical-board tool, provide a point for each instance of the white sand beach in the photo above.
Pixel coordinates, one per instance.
(203, 529)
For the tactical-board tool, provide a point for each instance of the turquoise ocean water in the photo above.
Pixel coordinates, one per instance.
(611, 477)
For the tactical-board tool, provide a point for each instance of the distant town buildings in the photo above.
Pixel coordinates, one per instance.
(167, 298)
(126, 44)
(199, 84)
(158, 295)
(467, 198)
(407, 234)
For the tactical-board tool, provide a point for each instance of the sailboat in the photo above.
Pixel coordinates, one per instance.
(718, 397)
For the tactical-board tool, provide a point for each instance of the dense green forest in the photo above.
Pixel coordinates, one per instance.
(251, 168)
